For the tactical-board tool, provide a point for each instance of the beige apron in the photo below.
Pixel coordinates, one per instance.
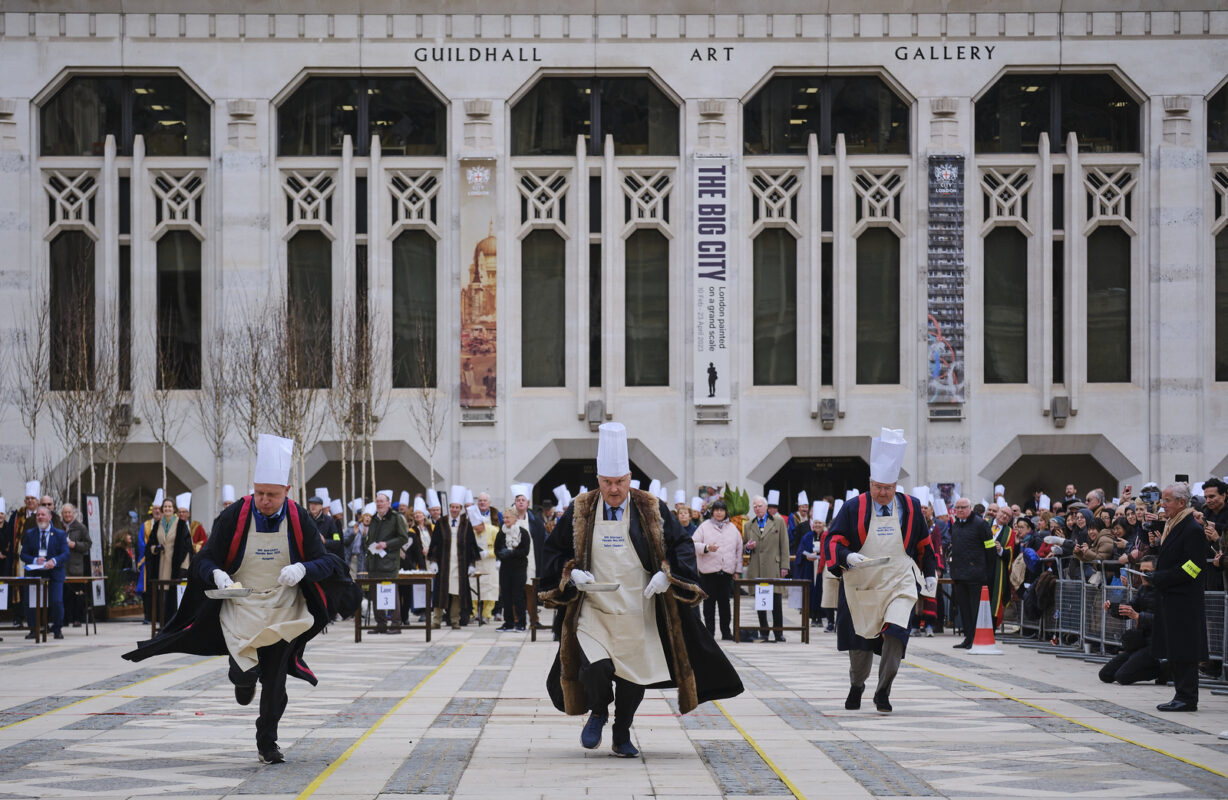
(621, 625)
(272, 612)
(885, 593)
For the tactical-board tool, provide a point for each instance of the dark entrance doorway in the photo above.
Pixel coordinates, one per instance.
(1051, 473)
(822, 477)
(576, 472)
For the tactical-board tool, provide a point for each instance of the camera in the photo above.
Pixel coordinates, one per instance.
(1150, 495)
(1115, 610)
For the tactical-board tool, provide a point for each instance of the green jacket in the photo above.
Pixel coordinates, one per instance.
(392, 531)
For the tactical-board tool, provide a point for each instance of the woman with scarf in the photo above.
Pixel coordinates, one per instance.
(512, 550)
(718, 556)
(167, 553)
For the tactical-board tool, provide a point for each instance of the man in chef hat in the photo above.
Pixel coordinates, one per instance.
(879, 545)
(451, 557)
(267, 543)
(620, 565)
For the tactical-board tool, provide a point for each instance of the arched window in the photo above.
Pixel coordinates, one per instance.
(309, 282)
(641, 118)
(779, 119)
(878, 307)
(1006, 306)
(72, 311)
(775, 308)
(413, 310)
(406, 116)
(543, 268)
(1217, 121)
(179, 315)
(1108, 305)
(1102, 114)
(165, 110)
(647, 297)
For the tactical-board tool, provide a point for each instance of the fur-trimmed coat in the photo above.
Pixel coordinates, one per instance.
(697, 667)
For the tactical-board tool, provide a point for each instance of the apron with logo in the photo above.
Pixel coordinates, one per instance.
(621, 625)
(885, 593)
(272, 612)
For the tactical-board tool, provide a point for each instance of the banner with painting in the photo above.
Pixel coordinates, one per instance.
(478, 280)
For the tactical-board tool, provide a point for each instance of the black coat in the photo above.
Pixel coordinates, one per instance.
(537, 532)
(333, 540)
(1180, 632)
(440, 552)
(195, 628)
(972, 551)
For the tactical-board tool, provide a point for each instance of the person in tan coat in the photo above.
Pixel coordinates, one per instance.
(767, 541)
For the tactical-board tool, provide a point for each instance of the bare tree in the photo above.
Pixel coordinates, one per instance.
(32, 360)
(429, 406)
(248, 401)
(213, 401)
(158, 406)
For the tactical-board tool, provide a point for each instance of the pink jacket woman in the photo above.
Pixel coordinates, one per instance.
(728, 553)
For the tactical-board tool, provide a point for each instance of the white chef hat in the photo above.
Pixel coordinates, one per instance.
(803, 499)
(922, 493)
(998, 490)
(184, 501)
(432, 499)
(468, 496)
(654, 488)
(519, 489)
(403, 500)
(335, 507)
(940, 507)
(386, 493)
(612, 460)
(420, 504)
(356, 505)
(887, 455)
(228, 493)
(1046, 504)
(475, 517)
(583, 489)
(773, 497)
(323, 494)
(369, 508)
(697, 504)
(34, 489)
(159, 496)
(560, 494)
(274, 456)
(679, 496)
(819, 512)
(850, 494)
(635, 484)
(4, 506)
(456, 495)
(835, 508)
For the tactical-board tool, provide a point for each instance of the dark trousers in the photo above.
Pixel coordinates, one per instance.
(511, 594)
(53, 595)
(965, 595)
(777, 618)
(1185, 680)
(274, 661)
(602, 687)
(1131, 667)
(719, 587)
(147, 603)
(74, 603)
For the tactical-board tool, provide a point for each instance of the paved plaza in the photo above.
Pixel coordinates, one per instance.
(466, 716)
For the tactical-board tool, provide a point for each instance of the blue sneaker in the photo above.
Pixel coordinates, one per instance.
(624, 749)
(590, 737)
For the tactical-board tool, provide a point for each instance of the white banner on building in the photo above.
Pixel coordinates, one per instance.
(712, 200)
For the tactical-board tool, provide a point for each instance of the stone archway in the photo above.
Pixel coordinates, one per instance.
(1036, 461)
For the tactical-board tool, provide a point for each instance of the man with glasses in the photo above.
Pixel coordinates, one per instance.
(1180, 633)
(973, 555)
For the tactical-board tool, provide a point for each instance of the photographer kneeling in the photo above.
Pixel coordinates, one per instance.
(1134, 662)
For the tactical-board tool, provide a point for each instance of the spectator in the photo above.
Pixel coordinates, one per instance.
(20, 522)
(799, 520)
(333, 541)
(767, 541)
(46, 548)
(385, 536)
(1215, 523)
(1180, 633)
(167, 553)
(807, 563)
(1094, 500)
(1101, 546)
(79, 544)
(688, 523)
(973, 553)
(1004, 547)
(1071, 495)
(196, 531)
(1135, 661)
(512, 545)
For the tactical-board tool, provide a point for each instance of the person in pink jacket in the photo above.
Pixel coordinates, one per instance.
(718, 556)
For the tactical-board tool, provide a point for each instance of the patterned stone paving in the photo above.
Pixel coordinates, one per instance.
(467, 717)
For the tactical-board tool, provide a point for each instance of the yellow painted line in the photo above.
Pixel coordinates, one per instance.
(344, 757)
(104, 694)
(1080, 723)
(771, 764)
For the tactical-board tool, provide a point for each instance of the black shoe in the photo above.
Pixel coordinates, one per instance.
(244, 694)
(881, 702)
(519, 629)
(726, 637)
(853, 701)
(57, 635)
(962, 646)
(830, 628)
(503, 628)
(272, 756)
(1176, 705)
(780, 638)
(394, 631)
(31, 635)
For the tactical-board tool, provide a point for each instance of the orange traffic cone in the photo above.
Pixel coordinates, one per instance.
(983, 643)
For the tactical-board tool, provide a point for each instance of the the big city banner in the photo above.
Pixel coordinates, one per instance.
(478, 251)
(711, 262)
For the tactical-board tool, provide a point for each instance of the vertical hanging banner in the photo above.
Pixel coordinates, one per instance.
(944, 331)
(478, 252)
(711, 198)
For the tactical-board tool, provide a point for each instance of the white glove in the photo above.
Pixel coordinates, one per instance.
(472, 571)
(657, 584)
(811, 555)
(221, 580)
(579, 577)
(434, 568)
(854, 559)
(931, 584)
(291, 574)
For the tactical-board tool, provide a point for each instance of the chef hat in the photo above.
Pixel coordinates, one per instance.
(1046, 504)
(4, 506)
(560, 494)
(34, 489)
(323, 494)
(887, 455)
(583, 489)
(1195, 490)
(679, 497)
(850, 494)
(403, 500)
(228, 493)
(697, 505)
(821, 507)
(420, 504)
(773, 497)
(803, 499)
(356, 505)
(386, 493)
(998, 490)
(654, 488)
(635, 484)
(835, 508)
(475, 517)
(432, 499)
(184, 501)
(612, 460)
(335, 507)
(369, 508)
(940, 507)
(159, 496)
(468, 496)
(922, 493)
(456, 495)
(274, 456)
(519, 489)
